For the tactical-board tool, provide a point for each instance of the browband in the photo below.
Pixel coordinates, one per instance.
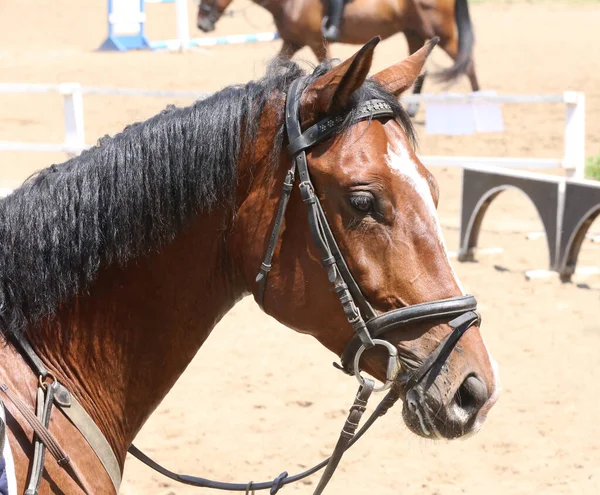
(319, 132)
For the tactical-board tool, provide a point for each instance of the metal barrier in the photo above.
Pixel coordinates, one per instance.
(126, 29)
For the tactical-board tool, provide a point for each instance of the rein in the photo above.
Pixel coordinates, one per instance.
(459, 312)
(51, 393)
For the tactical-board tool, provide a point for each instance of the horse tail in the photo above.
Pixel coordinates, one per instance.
(466, 41)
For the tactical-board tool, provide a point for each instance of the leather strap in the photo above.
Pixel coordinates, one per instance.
(442, 309)
(321, 233)
(356, 411)
(45, 400)
(459, 325)
(361, 301)
(325, 128)
(73, 410)
(78, 416)
(329, 263)
(386, 403)
(265, 267)
(316, 220)
(34, 361)
(2, 428)
(46, 438)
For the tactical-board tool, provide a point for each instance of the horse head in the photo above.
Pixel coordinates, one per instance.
(379, 203)
(155, 233)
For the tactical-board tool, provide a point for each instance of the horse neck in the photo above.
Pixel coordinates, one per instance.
(121, 347)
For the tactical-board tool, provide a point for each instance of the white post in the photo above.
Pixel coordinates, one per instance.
(73, 108)
(574, 158)
(183, 31)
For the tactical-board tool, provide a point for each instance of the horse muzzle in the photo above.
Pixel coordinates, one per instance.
(426, 415)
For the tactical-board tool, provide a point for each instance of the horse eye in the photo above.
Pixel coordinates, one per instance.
(362, 202)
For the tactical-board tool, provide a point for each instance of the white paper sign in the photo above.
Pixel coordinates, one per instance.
(459, 118)
(488, 115)
(449, 118)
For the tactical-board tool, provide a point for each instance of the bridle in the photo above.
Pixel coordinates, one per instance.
(367, 324)
(369, 327)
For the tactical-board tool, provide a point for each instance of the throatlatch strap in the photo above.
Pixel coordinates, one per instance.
(265, 267)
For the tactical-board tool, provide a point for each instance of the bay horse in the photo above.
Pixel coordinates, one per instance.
(298, 23)
(116, 265)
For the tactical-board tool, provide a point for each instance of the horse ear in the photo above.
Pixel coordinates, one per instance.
(399, 77)
(331, 92)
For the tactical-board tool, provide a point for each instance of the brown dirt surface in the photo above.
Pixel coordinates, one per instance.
(248, 408)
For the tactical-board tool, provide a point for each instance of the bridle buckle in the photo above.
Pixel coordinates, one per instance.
(393, 366)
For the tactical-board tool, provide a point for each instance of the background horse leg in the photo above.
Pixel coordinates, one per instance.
(321, 51)
(414, 43)
(289, 49)
(473, 77)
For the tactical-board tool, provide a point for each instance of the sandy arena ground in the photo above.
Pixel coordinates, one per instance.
(260, 412)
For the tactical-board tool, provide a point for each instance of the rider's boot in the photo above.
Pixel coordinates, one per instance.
(331, 23)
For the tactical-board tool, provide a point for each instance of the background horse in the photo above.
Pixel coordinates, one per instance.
(117, 264)
(299, 22)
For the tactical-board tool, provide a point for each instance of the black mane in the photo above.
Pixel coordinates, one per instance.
(131, 194)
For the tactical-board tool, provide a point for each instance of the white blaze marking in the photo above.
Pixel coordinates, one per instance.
(398, 159)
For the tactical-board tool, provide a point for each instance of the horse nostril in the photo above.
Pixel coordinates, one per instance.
(471, 395)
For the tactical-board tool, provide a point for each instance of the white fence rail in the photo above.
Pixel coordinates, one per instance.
(573, 159)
